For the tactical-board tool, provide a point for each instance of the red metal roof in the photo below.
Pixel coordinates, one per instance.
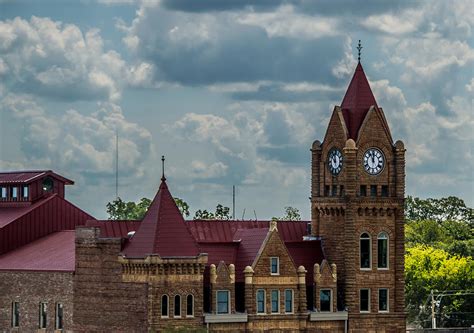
(114, 228)
(55, 252)
(251, 242)
(162, 231)
(306, 253)
(10, 214)
(357, 102)
(26, 177)
(224, 231)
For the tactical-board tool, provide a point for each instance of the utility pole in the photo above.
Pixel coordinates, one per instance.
(433, 316)
(233, 202)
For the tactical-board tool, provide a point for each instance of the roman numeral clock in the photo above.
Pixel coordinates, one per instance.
(374, 161)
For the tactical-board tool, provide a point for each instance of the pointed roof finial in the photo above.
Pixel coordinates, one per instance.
(359, 48)
(163, 178)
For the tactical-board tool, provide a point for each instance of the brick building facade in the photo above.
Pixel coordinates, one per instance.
(344, 273)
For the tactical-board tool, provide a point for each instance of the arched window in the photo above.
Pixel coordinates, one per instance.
(177, 306)
(365, 251)
(190, 306)
(164, 306)
(382, 250)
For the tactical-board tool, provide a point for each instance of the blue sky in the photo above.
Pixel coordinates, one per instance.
(233, 93)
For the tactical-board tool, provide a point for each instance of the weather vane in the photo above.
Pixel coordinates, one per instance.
(359, 48)
(163, 178)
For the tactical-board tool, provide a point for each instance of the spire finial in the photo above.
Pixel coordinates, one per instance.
(359, 48)
(163, 178)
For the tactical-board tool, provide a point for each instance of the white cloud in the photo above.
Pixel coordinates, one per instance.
(394, 24)
(203, 170)
(57, 60)
(82, 144)
(288, 23)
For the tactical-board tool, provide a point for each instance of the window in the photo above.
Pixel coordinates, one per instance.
(189, 306)
(363, 190)
(325, 300)
(4, 192)
(43, 317)
(275, 301)
(382, 250)
(334, 190)
(59, 324)
(326, 190)
(383, 300)
(364, 300)
(14, 192)
(223, 301)
(15, 314)
(274, 266)
(288, 301)
(260, 301)
(373, 190)
(164, 306)
(341, 191)
(25, 191)
(384, 190)
(177, 306)
(365, 251)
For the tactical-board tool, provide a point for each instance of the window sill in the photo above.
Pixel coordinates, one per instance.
(364, 312)
(384, 311)
(189, 316)
(366, 269)
(274, 274)
(382, 268)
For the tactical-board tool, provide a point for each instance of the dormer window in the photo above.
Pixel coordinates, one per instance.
(4, 192)
(48, 184)
(274, 266)
(25, 192)
(14, 192)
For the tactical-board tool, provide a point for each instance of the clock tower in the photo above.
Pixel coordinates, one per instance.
(357, 209)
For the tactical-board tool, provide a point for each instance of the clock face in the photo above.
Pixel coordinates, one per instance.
(335, 161)
(47, 184)
(374, 161)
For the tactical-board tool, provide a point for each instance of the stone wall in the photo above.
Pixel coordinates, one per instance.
(102, 302)
(29, 289)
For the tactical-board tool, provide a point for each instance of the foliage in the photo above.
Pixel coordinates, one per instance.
(121, 210)
(428, 268)
(439, 238)
(443, 209)
(291, 214)
(221, 213)
(182, 206)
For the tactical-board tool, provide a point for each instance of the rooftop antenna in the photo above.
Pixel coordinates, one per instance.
(255, 213)
(163, 178)
(359, 48)
(233, 202)
(116, 164)
(243, 215)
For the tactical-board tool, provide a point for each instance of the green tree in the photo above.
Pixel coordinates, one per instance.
(291, 214)
(182, 206)
(121, 210)
(221, 213)
(443, 209)
(428, 268)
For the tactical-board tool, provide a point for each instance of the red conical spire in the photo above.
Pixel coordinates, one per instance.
(162, 230)
(357, 102)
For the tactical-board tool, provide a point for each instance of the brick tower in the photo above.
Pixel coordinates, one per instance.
(357, 197)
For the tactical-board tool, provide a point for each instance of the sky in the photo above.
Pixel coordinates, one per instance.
(231, 92)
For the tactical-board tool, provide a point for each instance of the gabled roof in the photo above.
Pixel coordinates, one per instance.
(26, 177)
(357, 101)
(10, 214)
(162, 231)
(55, 252)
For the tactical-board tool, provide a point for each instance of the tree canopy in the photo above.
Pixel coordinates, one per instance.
(439, 242)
